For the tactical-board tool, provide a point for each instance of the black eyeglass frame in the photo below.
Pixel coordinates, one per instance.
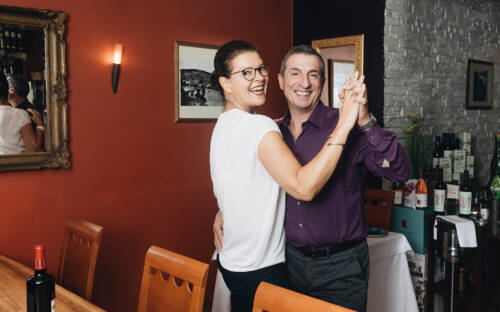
(262, 68)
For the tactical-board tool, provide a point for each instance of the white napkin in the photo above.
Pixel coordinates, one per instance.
(466, 231)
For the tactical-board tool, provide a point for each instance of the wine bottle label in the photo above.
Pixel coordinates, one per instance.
(435, 162)
(53, 305)
(439, 198)
(398, 197)
(445, 163)
(485, 213)
(465, 201)
(452, 191)
(421, 201)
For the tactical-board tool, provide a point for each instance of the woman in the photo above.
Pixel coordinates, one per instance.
(16, 133)
(249, 161)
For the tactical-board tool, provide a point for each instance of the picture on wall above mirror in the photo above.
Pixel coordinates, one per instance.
(342, 56)
(195, 98)
(33, 112)
(479, 94)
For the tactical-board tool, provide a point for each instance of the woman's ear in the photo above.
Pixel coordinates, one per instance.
(225, 84)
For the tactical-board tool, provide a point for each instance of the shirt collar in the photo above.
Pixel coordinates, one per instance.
(317, 117)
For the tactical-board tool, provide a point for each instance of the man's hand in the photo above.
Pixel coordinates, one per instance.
(218, 228)
(357, 86)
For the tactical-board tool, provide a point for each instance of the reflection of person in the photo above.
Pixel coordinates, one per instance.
(327, 254)
(18, 91)
(16, 134)
(249, 161)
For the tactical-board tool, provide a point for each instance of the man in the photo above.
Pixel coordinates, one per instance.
(18, 91)
(327, 254)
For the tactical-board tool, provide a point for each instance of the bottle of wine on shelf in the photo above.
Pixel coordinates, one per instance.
(437, 152)
(439, 194)
(465, 196)
(485, 198)
(421, 193)
(40, 288)
(398, 194)
(495, 170)
(451, 204)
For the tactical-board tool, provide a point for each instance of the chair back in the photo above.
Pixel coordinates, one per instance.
(273, 298)
(378, 207)
(172, 282)
(79, 256)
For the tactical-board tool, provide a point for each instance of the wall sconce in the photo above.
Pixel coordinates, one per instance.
(115, 73)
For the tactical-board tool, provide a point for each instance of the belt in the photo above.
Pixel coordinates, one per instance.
(318, 252)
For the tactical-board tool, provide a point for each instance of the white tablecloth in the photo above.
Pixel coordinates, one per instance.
(390, 288)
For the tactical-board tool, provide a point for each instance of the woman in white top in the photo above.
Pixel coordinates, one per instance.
(16, 133)
(251, 167)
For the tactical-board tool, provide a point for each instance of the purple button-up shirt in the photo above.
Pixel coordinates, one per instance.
(335, 215)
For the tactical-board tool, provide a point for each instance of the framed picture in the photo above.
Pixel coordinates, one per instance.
(195, 97)
(338, 71)
(479, 94)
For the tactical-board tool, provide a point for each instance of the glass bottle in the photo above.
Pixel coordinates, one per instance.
(421, 193)
(439, 194)
(465, 196)
(398, 193)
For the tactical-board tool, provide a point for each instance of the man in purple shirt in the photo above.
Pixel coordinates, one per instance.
(327, 254)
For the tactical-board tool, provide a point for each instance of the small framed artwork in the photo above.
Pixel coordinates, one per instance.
(195, 97)
(479, 94)
(338, 71)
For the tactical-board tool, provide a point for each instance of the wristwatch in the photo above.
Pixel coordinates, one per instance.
(369, 124)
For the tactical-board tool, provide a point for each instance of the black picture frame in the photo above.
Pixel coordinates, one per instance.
(479, 88)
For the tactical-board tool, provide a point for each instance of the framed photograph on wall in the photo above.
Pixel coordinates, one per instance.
(195, 97)
(479, 93)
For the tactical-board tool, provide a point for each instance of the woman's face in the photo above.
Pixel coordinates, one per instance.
(245, 93)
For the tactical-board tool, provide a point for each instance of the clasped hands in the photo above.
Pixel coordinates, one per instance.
(353, 106)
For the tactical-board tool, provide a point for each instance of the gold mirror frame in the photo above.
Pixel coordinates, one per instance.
(357, 41)
(53, 25)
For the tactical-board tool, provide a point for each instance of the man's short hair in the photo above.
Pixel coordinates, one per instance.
(308, 50)
(20, 84)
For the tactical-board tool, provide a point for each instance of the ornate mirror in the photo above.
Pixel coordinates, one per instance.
(342, 56)
(32, 49)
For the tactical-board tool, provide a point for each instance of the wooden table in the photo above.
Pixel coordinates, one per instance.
(13, 277)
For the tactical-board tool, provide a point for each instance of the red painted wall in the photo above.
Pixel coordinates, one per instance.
(135, 171)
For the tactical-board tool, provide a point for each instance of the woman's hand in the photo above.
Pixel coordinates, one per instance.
(218, 231)
(35, 116)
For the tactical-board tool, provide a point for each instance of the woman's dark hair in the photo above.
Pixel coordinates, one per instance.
(222, 61)
(4, 87)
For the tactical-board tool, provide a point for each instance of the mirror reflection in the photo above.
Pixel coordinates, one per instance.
(342, 56)
(23, 109)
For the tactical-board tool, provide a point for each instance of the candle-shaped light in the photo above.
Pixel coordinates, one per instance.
(115, 74)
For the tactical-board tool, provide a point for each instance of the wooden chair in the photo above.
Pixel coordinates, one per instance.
(273, 298)
(79, 257)
(378, 207)
(172, 282)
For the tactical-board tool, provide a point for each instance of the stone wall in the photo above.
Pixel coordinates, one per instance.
(426, 47)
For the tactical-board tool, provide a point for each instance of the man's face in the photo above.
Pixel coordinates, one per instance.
(301, 81)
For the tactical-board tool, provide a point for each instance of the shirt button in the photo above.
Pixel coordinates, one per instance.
(300, 225)
(372, 137)
(298, 203)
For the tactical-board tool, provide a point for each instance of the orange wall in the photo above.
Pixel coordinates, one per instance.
(141, 176)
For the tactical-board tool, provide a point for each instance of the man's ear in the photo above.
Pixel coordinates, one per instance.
(226, 84)
(280, 80)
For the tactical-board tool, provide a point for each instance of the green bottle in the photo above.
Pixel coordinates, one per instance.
(495, 173)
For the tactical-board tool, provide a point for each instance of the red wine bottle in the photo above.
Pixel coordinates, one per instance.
(40, 288)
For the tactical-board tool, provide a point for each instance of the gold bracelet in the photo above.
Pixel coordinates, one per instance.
(331, 143)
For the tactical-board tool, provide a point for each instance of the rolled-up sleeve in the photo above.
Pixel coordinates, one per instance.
(379, 145)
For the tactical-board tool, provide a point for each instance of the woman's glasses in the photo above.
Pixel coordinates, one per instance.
(249, 73)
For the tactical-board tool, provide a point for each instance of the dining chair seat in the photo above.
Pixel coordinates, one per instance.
(378, 208)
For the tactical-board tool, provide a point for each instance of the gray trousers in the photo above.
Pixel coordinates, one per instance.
(341, 278)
